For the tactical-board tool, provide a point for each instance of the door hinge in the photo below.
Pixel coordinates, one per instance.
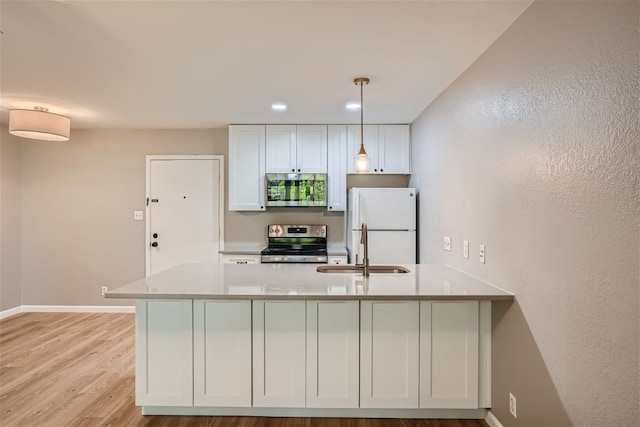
(147, 201)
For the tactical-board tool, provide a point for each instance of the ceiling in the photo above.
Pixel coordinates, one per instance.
(205, 64)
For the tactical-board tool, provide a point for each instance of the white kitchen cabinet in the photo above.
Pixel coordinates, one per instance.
(222, 353)
(394, 149)
(311, 152)
(279, 354)
(449, 354)
(296, 149)
(281, 148)
(337, 168)
(337, 259)
(239, 259)
(388, 147)
(247, 151)
(389, 354)
(333, 354)
(164, 353)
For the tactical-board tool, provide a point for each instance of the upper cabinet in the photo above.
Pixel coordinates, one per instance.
(296, 149)
(388, 147)
(246, 167)
(337, 168)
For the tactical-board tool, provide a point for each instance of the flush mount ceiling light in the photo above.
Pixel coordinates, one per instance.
(278, 106)
(361, 160)
(353, 106)
(39, 123)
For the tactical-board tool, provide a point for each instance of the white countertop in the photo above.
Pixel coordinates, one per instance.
(302, 281)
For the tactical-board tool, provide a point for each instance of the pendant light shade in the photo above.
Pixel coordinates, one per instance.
(39, 123)
(362, 160)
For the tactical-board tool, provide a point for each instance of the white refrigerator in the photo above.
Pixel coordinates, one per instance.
(390, 215)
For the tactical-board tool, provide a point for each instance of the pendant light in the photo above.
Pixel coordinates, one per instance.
(39, 123)
(362, 160)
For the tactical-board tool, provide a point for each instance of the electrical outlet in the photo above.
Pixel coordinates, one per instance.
(447, 243)
(138, 215)
(512, 405)
(104, 290)
(482, 254)
(465, 249)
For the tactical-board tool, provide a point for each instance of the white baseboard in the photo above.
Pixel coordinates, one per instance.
(11, 312)
(68, 309)
(492, 420)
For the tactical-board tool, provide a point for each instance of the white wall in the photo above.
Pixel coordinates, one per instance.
(533, 152)
(10, 221)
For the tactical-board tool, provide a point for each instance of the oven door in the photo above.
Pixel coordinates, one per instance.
(284, 255)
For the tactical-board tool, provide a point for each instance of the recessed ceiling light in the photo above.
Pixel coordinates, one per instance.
(278, 106)
(353, 106)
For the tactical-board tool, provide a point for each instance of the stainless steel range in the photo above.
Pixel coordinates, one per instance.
(296, 243)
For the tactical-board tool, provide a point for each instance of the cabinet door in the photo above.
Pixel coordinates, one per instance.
(246, 167)
(337, 168)
(281, 149)
(332, 354)
(311, 149)
(279, 354)
(337, 260)
(164, 353)
(222, 353)
(449, 354)
(239, 259)
(389, 354)
(370, 146)
(394, 149)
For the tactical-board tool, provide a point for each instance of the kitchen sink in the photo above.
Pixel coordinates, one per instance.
(354, 269)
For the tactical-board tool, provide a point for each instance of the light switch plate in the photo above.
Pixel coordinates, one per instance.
(447, 243)
(138, 215)
(465, 249)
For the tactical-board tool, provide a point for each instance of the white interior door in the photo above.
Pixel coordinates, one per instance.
(184, 215)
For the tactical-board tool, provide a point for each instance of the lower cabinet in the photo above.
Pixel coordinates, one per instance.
(389, 354)
(337, 259)
(279, 354)
(222, 353)
(239, 259)
(449, 354)
(333, 339)
(164, 353)
(316, 354)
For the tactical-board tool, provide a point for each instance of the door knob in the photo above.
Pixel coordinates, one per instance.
(154, 244)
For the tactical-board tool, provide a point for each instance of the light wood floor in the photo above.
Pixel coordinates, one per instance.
(70, 369)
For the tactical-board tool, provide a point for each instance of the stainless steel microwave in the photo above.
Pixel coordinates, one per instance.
(296, 189)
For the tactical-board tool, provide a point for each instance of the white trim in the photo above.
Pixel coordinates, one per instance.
(10, 312)
(492, 420)
(469, 414)
(78, 309)
(67, 309)
(221, 194)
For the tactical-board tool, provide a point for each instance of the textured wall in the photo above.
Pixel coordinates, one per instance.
(10, 219)
(533, 152)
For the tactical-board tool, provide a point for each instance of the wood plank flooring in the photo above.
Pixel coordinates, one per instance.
(77, 369)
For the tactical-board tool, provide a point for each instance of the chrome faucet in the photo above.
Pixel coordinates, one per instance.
(364, 240)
